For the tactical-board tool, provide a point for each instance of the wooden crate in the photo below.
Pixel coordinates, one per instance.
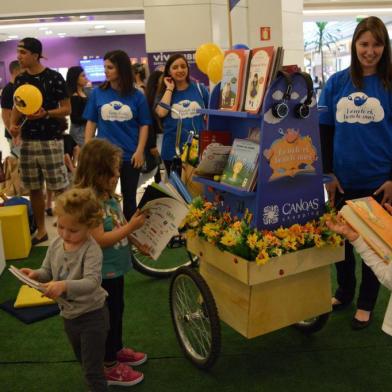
(255, 299)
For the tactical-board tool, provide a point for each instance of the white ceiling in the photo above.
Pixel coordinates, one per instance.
(132, 22)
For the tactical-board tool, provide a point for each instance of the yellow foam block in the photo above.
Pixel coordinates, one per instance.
(16, 232)
(28, 297)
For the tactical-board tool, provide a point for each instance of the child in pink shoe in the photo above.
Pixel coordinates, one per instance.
(99, 168)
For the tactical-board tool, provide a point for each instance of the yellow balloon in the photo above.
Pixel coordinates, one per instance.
(204, 54)
(215, 68)
(27, 99)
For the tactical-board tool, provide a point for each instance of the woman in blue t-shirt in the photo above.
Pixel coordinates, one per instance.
(356, 135)
(186, 97)
(121, 114)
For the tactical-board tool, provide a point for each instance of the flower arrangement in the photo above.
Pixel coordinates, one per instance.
(238, 237)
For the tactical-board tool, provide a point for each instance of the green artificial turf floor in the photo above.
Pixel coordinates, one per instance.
(37, 357)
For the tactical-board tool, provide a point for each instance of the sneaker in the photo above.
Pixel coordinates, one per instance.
(122, 375)
(130, 357)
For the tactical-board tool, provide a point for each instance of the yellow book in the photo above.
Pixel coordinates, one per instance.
(28, 297)
(372, 222)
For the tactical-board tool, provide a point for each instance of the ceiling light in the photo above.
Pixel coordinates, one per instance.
(48, 32)
(343, 11)
(97, 27)
(61, 34)
(76, 23)
(82, 16)
(43, 28)
(13, 36)
(110, 31)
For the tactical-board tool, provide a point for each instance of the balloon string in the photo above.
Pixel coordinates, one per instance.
(23, 122)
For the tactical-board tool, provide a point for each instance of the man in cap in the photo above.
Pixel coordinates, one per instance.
(42, 150)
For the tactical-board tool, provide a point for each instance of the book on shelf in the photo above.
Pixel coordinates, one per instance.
(259, 69)
(241, 167)
(372, 222)
(235, 65)
(207, 137)
(165, 209)
(291, 68)
(276, 64)
(213, 160)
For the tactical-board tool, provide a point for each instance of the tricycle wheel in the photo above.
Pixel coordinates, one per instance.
(314, 324)
(195, 317)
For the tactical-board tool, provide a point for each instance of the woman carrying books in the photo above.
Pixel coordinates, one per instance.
(356, 136)
(186, 97)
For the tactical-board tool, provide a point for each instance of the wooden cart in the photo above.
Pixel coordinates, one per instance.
(252, 299)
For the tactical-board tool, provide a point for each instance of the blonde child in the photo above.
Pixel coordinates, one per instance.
(382, 271)
(72, 272)
(99, 168)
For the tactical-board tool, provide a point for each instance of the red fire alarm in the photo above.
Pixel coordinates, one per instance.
(265, 33)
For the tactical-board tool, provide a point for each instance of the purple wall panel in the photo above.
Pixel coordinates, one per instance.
(66, 52)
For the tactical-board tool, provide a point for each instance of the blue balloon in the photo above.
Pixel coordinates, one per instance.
(240, 46)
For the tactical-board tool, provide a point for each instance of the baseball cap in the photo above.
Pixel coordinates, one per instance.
(31, 44)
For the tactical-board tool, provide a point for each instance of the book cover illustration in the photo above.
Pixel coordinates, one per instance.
(241, 166)
(164, 214)
(291, 154)
(234, 67)
(259, 69)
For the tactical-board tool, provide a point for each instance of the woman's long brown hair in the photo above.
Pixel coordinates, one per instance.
(384, 67)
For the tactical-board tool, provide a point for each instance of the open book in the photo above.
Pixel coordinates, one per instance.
(372, 222)
(32, 283)
(165, 210)
(25, 279)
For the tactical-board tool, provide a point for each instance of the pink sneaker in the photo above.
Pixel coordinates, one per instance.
(130, 357)
(123, 375)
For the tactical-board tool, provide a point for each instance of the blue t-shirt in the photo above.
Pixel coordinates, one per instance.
(362, 157)
(118, 118)
(186, 102)
(116, 258)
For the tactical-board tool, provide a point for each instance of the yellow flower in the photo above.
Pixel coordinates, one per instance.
(211, 230)
(252, 241)
(281, 232)
(190, 233)
(229, 238)
(237, 225)
(262, 257)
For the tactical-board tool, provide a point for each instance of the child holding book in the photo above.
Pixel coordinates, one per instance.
(71, 271)
(99, 168)
(382, 271)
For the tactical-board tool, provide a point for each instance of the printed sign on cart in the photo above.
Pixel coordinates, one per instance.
(290, 162)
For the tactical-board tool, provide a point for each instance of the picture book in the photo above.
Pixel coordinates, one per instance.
(259, 69)
(208, 137)
(235, 66)
(242, 164)
(164, 213)
(372, 222)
